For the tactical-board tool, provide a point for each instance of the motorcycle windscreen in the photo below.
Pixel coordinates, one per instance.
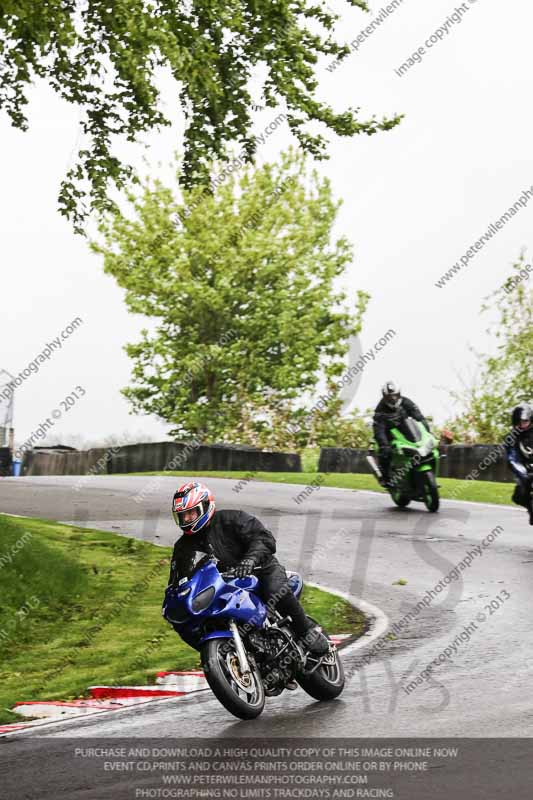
(410, 429)
(198, 561)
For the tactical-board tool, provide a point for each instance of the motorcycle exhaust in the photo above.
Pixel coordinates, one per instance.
(373, 464)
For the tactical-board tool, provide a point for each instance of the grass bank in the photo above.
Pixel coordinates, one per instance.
(82, 607)
(450, 488)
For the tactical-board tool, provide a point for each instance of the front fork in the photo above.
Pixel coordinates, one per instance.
(244, 664)
(373, 464)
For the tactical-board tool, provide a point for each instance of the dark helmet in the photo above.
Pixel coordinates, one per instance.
(522, 417)
(391, 394)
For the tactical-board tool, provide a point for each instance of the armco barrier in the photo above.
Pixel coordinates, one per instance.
(157, 456)
(483, 462)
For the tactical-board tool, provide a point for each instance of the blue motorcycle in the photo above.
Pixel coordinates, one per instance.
(247, 649)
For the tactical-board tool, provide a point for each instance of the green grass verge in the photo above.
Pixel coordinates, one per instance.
(83, 607)
(451, 489)
(310, 457)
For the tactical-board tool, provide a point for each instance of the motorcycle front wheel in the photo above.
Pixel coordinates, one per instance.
(242, 695)
(430, 491)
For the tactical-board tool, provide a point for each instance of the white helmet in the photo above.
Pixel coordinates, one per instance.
(391, 394)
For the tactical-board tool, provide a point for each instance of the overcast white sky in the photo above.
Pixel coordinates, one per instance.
(415, 199)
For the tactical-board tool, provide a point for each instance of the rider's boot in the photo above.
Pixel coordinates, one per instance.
(386, 482)
(310, 636)
(315, 642)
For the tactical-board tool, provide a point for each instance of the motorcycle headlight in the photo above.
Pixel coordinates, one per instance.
(178, 615)
(203, 600)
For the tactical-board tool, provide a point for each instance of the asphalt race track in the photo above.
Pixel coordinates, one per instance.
(358, 543)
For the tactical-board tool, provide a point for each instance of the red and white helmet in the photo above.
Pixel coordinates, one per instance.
(191, 496)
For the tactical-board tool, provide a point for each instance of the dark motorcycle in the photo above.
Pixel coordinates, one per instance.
(526, 448)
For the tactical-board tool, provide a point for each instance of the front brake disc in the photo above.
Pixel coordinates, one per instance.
(245, 682)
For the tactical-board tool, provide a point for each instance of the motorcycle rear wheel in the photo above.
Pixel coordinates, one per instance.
(327, 682)
(242, 697)
(400, 499)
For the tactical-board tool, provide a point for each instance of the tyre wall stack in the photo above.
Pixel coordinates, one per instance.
(156, 457)
(483, 462)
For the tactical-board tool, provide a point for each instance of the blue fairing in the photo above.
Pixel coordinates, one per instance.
(216, 635)
(234, 599)
(296, 583)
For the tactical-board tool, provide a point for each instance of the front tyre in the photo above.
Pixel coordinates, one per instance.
(242, 696)
(430, 491)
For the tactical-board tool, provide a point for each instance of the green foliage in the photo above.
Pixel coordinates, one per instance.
(506, 378)
(248, 316)
(309, 457)
(334, 614)
(330, 429)
(106, 57)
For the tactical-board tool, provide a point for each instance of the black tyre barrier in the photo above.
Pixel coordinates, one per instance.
(158, 456)
(482, 462)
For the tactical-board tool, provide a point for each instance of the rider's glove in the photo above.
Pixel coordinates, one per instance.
(245, 568)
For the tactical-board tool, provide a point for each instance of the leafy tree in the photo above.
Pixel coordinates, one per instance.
(506, 378)
(248, 316)
(105, 57)
(331, 429)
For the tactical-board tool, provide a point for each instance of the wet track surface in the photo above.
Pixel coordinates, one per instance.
(355, 542)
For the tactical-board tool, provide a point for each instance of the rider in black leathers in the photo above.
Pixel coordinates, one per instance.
(389, 412)
(519, 450)
(242, 543)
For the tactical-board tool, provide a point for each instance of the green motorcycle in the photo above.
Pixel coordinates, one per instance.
(414, 465)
